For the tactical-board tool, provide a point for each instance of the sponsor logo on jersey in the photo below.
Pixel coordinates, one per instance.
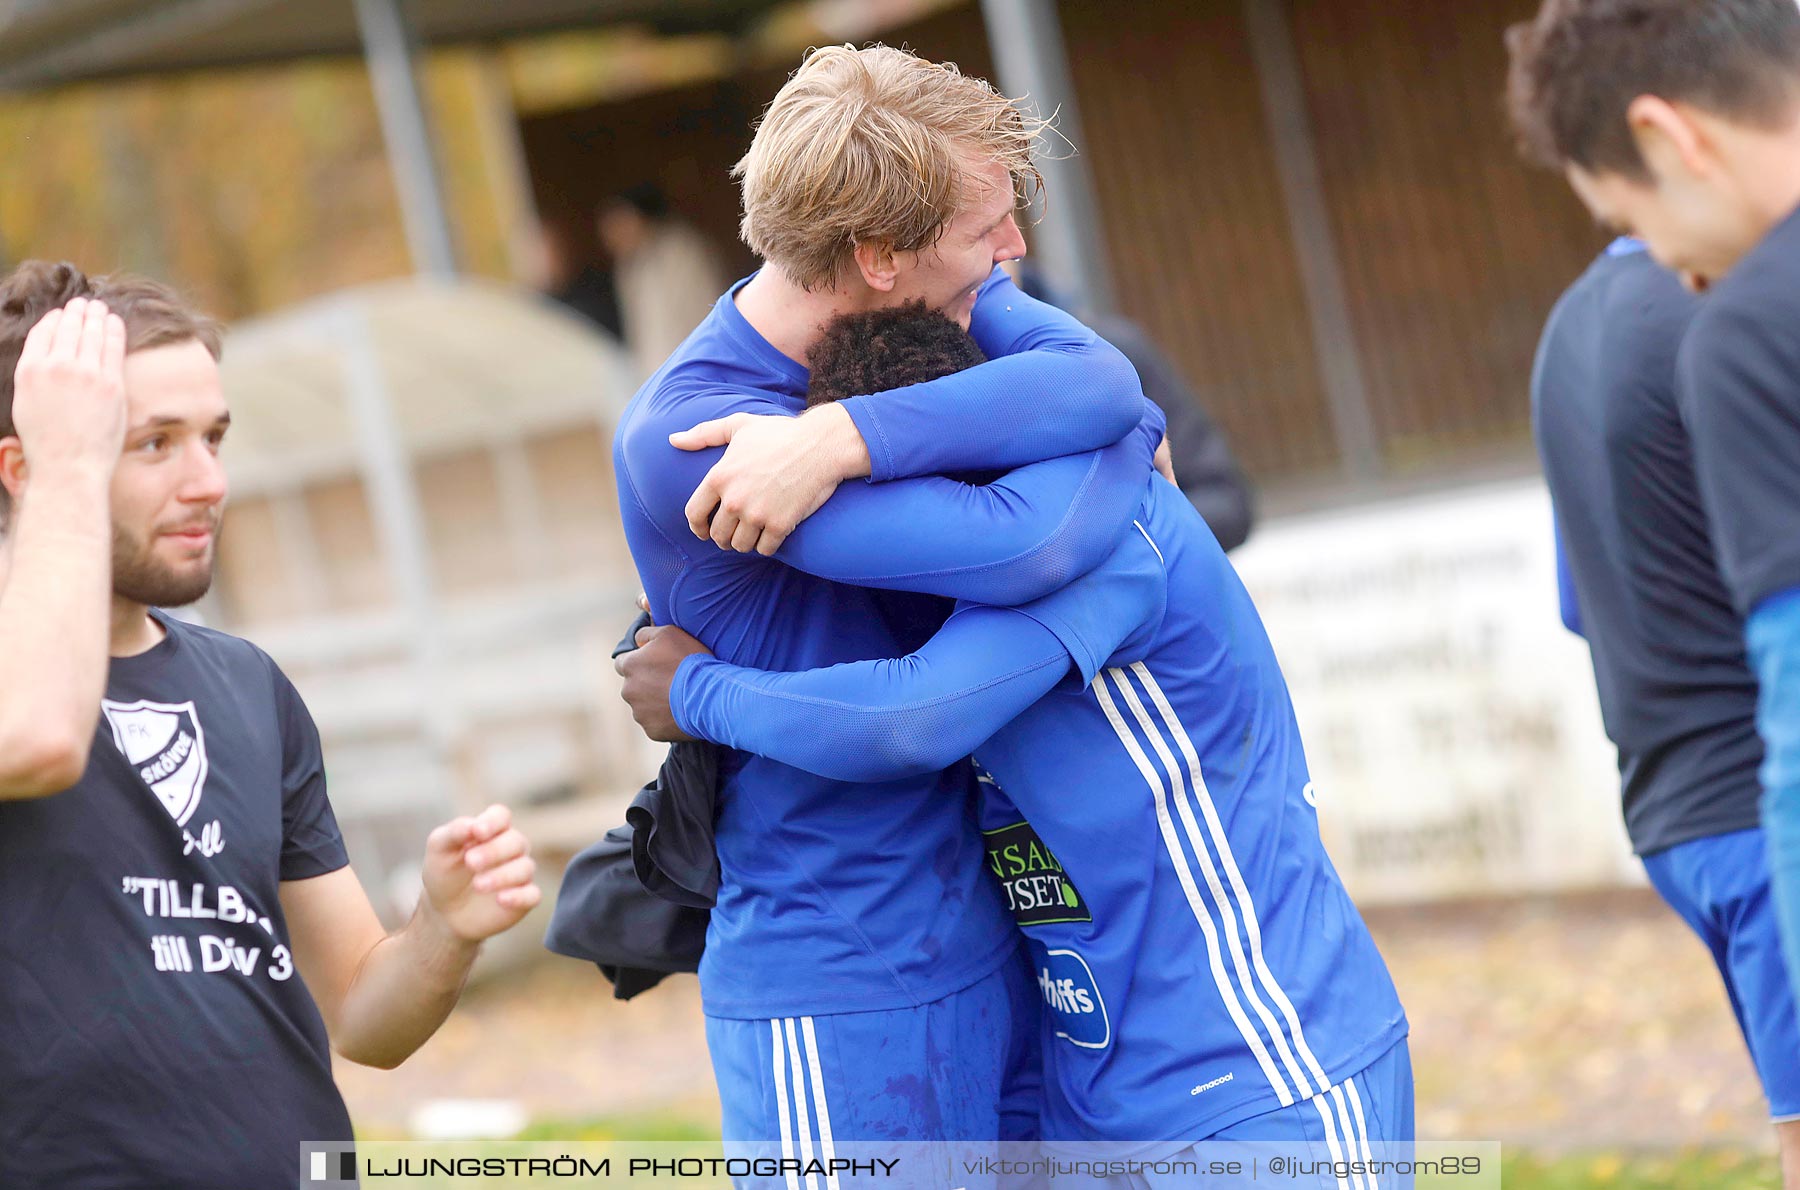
(1038, 891)
(1076, 1007)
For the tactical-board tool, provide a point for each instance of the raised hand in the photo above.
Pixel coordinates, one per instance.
(69, 389)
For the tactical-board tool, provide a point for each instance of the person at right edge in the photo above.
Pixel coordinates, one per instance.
(1679, 123)
(1676, 692)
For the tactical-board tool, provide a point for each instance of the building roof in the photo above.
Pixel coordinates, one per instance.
(459, 364)
(54, 42)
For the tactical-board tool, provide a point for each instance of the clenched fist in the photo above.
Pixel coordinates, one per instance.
(478, 874)
(649, 673)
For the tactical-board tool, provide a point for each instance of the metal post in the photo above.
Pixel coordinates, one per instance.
(393, 495)
(1026, 39)
(388, 49)
(1321, 276)
(508, 171)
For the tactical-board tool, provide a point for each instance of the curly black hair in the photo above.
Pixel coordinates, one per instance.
(888, 348)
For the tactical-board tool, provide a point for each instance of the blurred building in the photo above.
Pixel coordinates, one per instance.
(1313, 205)
(423, 530)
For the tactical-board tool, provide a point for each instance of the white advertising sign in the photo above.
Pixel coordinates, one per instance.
(1450, 720)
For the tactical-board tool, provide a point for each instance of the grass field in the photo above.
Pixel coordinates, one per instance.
(1605, 1048)
(1718, 1170)
(1711, 1169)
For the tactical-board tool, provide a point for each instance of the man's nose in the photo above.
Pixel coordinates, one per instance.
(204, 482)
(1012, 244)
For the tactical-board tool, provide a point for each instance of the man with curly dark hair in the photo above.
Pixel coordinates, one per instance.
(887, 348)
(899, 346)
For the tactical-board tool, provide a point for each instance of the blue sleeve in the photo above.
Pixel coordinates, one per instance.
(1011, 541)
(1565, 586)
(1773, 636)
(878, 720)
(1032, 531)
(1050, 387)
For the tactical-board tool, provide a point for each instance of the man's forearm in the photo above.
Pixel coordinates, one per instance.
(884, 719)
(1008, 542)
(1006, 413)
(840, 442)
(403, 991)
(54, 608)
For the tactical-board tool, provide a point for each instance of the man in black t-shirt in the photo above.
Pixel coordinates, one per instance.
(179, 935)
(1679, 122)
(1676, 692)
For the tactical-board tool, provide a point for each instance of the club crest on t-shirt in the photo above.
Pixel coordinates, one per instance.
(163, 741)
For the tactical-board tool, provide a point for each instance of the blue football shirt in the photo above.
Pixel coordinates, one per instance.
(824, 906)
(1156, 837)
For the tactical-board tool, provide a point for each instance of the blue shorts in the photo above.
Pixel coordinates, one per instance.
(1336, 1127)
(962, 1068)
(1720, 886)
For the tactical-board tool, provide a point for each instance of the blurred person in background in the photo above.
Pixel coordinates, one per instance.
(560, 274)
(1677, 694)
(1679, 123)
(181, 934)
(667, 274)
(1206, 471)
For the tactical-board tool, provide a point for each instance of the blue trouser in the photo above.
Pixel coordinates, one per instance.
(961, 1068)
(1720, 886)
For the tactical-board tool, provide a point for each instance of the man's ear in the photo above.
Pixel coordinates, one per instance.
(13, 467)
(877, 264)
(1670, 136)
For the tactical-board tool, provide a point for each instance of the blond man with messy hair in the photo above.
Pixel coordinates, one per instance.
(862, 978)
(877, 148)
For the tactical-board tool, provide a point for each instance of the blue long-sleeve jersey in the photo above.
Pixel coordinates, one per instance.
(1773, 634)
(1199, 957)
(823, 906)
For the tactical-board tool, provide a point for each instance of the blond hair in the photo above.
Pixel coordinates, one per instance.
(872, 146)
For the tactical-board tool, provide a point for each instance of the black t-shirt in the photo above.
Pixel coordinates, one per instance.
(1676, 691)
(1740, 377)
(154, 1030)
